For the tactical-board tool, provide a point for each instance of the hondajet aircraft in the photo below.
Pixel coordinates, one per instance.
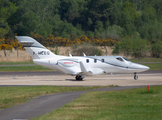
(79, 66)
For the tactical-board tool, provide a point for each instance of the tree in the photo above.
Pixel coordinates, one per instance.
(7, 8)
(99, 28)
(131, 46)
(151, 31)
(69, 10)
(149, 14)
(157, 6)
(98, 10)
(115, 13)
(36, 16)
(156, 49)
(113, 32)
(128, 17)
(4, 28)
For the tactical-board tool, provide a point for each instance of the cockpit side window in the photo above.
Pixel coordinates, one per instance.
(120, 59)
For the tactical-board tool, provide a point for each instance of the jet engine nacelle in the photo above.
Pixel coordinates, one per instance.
(69, 66)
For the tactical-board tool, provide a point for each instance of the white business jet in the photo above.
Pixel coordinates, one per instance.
(79, 66)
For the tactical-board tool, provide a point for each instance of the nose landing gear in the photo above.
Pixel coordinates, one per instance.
(135, 76)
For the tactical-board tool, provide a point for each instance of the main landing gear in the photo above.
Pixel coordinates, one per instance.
(135, 76)
(78, 77)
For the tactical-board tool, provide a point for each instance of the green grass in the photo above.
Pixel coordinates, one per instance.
(146, 60)
(153, 66)
(16, 63)
(10, 96)
(134, 104)
(156, 66)
(23, 68)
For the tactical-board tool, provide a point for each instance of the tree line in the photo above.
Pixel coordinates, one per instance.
(106, 19)
(65, 18)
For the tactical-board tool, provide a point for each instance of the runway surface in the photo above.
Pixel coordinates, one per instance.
(45, 104)
(59, 79)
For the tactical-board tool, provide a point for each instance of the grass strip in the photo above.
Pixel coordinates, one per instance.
(16, 63)
(10, 96)
(23, 68)
(134, 104)
(147, 60)
(157, 66)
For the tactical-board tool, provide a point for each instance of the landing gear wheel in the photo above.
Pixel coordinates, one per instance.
(135, 77)
(78, 77)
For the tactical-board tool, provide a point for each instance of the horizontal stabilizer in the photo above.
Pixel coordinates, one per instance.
(26, 43)
(29, 42)
(34, 48)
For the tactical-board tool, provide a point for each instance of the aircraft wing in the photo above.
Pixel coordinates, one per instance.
(86, 70)
(85, 73)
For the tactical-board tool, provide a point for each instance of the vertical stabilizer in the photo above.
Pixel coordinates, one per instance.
(34, 48)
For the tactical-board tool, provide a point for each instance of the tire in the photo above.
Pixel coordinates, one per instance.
(135, 77)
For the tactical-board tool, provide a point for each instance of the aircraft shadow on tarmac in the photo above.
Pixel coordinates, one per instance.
(74, 80)
(63, 80)
(91, 79)
(50, 80)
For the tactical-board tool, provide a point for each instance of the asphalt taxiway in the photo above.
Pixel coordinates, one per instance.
(51, 73)
(59, 79)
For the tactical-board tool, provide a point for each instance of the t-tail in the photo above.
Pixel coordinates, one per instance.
(34, 48)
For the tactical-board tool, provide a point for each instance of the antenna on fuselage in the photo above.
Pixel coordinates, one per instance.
(84, 54)
(70, 55)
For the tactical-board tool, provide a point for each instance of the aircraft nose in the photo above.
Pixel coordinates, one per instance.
(139, 67)
(144, 67)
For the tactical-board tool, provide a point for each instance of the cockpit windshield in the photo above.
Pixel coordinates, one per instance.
(126, 59)
(122, 59)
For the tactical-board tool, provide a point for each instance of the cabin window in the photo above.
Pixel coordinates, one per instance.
(87, 60)
(120, 59)
(102, 60)
(95, 60)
